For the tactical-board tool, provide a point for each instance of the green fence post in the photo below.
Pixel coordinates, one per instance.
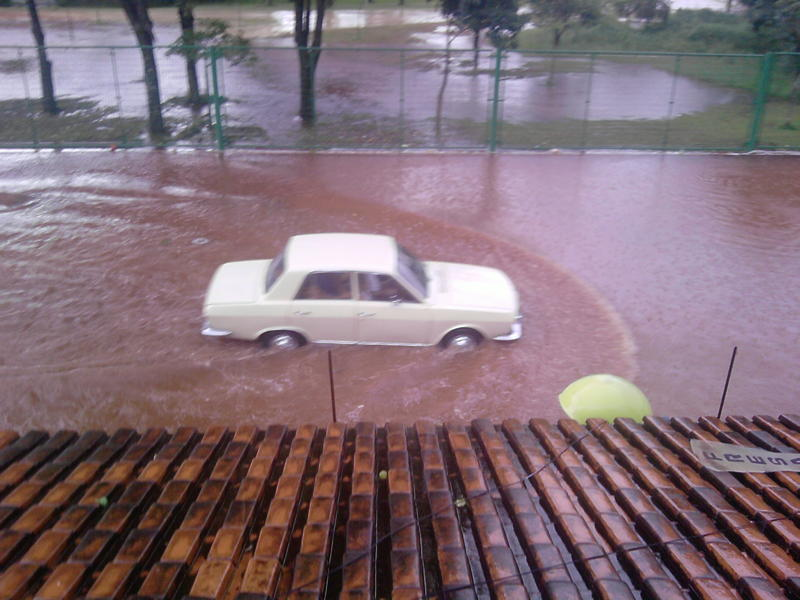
(219, 134)
(762, 95)
(493, 124)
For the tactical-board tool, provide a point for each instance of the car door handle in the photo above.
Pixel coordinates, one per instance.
(302, 313)
(366, 314)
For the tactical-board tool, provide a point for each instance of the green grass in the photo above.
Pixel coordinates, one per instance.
(725, 127)
(688, 31)
(359, 130)
(80, 121)
(16, 65)
(781, 126)
(740, 72)
(83, 121)
(721, 128)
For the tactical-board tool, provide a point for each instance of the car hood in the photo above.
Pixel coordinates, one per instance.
(469, 286)
(237, 282)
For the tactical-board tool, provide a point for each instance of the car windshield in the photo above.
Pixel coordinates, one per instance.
(274, 271)
(412, 270)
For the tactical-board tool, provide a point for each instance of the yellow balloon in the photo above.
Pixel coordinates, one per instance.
(604, 396)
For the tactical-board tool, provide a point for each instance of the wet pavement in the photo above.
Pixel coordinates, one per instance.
(647, 266)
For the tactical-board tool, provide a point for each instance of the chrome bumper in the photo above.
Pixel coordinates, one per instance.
(211, 332)
(515, 334)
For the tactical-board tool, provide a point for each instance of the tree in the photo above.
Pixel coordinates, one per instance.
(186, 41)
(777, 22)
(139, 18)
(649, 11)
(49, 104)
(560, 15)
(498, 17)
(193, 43)
(504, 26)
(308, 55)
(453, 31)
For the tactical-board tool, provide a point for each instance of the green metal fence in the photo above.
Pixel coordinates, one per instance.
(403, 98)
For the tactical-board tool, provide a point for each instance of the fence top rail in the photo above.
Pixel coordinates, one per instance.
(640, 53)
(418, 50)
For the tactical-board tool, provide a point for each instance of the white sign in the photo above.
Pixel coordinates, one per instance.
(742, 459)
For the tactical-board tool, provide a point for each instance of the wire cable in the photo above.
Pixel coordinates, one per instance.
(655, 545)
(456, 502)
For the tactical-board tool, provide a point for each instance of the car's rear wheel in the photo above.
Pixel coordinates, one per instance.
(282, 340)
(462, 339)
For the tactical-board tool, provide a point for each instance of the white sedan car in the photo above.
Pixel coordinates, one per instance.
(363, 289)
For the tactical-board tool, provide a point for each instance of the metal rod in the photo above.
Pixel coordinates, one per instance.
(115, 74)
(28, 106)
(333, 393)
(587, 102)
(727, 381)
(402, 98)
(218, 132)
(762, 96)
(671, 103)
(493, 124)
(113, 54)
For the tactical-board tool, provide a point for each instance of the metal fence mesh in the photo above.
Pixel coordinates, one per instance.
(386, 98)
(780, 129)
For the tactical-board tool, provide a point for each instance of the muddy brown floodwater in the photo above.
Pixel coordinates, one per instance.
(648, 266)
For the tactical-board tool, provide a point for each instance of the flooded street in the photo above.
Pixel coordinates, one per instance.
(650, 267)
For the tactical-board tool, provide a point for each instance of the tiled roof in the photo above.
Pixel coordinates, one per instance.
(457, 511)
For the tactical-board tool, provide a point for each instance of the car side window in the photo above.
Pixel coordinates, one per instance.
(325, 286)
(377, 287)
(275, 270)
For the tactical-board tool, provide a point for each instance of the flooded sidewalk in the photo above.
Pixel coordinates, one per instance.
(648, 266)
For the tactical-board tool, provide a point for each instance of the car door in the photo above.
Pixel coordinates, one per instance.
(324, 308)
(388, 313)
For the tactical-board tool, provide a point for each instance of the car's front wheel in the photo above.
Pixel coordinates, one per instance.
(282, 340)
(462, 339)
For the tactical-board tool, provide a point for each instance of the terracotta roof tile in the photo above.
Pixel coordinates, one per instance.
(513, 511)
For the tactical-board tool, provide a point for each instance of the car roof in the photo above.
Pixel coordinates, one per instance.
(341, 252)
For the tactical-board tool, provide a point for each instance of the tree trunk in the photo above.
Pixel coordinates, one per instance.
(308, 67)
(308, 54)
(136, 11)
(186, 15)
(155, 118)
(557, 33)
(476, 42)
(49, 104)
(193, 97)
(442, 88)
